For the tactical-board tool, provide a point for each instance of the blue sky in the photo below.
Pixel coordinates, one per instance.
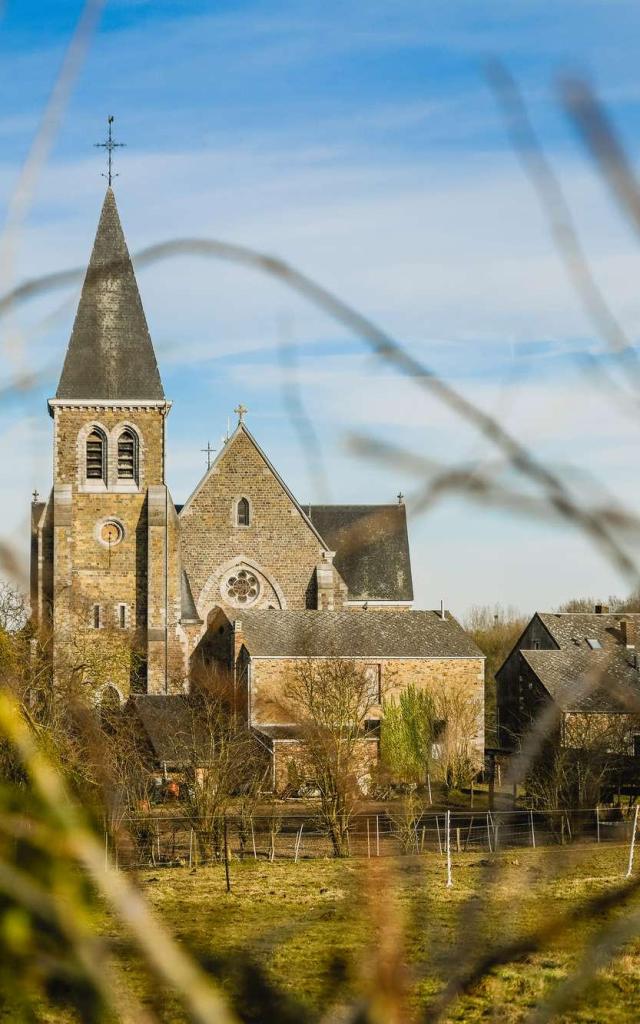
(360, 142)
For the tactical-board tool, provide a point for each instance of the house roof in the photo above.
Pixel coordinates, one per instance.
(573, 629)
(355, 634)
(110, 354)
(176, 735)
(372, 548)
(583, 680)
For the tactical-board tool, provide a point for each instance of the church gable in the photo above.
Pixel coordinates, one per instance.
(246, 542)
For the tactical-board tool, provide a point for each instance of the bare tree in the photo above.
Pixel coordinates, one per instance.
(458, 756)
(331, 700)
(222, 760)
(13, 607)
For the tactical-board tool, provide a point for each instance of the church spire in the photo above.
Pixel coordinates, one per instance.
(110, 355)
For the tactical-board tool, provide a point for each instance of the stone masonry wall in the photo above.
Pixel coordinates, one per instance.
(278, 545)
(86, 571)
(268, 705)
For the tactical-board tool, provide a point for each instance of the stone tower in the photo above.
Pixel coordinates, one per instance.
(105, 558)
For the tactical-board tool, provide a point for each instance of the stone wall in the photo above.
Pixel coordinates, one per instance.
(290, 764)
(452, 676)
(278, 545)
(87, 572)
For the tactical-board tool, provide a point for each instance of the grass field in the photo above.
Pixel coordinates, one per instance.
(315, 930)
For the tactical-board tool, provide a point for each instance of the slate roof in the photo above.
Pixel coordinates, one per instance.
(110, 354)
(354, 634)
(372, 548)
(572, 629)
(173, 730)
(582, 680)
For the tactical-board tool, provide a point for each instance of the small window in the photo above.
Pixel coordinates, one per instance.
(594, 644)
(96, 456)
(243, 512)
(96, 617)
(536, 645)
(127, 456)
(372, 676)
(122, 616)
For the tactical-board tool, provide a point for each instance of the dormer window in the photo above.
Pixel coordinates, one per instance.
(96, 456)
(128, 456)
(243, 513)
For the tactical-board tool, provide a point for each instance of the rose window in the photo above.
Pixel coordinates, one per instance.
(242, 587)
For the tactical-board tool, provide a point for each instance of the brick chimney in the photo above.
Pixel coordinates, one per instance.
(628, 632)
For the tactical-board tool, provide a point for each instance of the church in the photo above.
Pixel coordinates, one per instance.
(134, 588)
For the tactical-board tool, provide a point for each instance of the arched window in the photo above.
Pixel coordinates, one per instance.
(243, 512)
(127, 456)
(96, 456)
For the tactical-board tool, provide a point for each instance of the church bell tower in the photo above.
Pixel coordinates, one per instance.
(106, 542)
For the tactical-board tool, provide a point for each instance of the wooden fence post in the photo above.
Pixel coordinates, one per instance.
(533, 834)
(448, 848)
(466, 842)
(439, 839)
(597, 824)
(489, 832)
(429, 789)
(298, 841)
(377, 835)
(368, 841)
(226, 856)
(632, 846)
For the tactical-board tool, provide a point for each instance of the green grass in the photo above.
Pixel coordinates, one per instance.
(314, 928)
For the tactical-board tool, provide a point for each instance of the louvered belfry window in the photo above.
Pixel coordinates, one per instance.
(126, 456)
(95, 456)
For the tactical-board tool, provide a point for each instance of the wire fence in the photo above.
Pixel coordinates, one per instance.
(182, 841)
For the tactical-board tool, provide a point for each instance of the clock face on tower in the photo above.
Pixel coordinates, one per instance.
(111, 532)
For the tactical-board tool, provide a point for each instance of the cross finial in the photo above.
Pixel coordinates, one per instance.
(35, 496)
(109, 144)
(208, 452)
(241, 411)
(400, 498)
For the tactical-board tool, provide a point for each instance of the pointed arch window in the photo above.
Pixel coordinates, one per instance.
(128, 456)
(243, 512)
(96, 456)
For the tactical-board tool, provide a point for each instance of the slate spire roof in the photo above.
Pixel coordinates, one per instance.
(110, 354)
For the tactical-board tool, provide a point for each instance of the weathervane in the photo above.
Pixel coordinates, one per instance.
(109, 145)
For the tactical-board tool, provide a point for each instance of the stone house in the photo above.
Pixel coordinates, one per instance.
(263, 650)
(128, 583)
(580, 669)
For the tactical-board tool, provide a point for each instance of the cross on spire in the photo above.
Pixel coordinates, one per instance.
(400, 498)
(208, 451)
(241, 411)
(109, 144)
